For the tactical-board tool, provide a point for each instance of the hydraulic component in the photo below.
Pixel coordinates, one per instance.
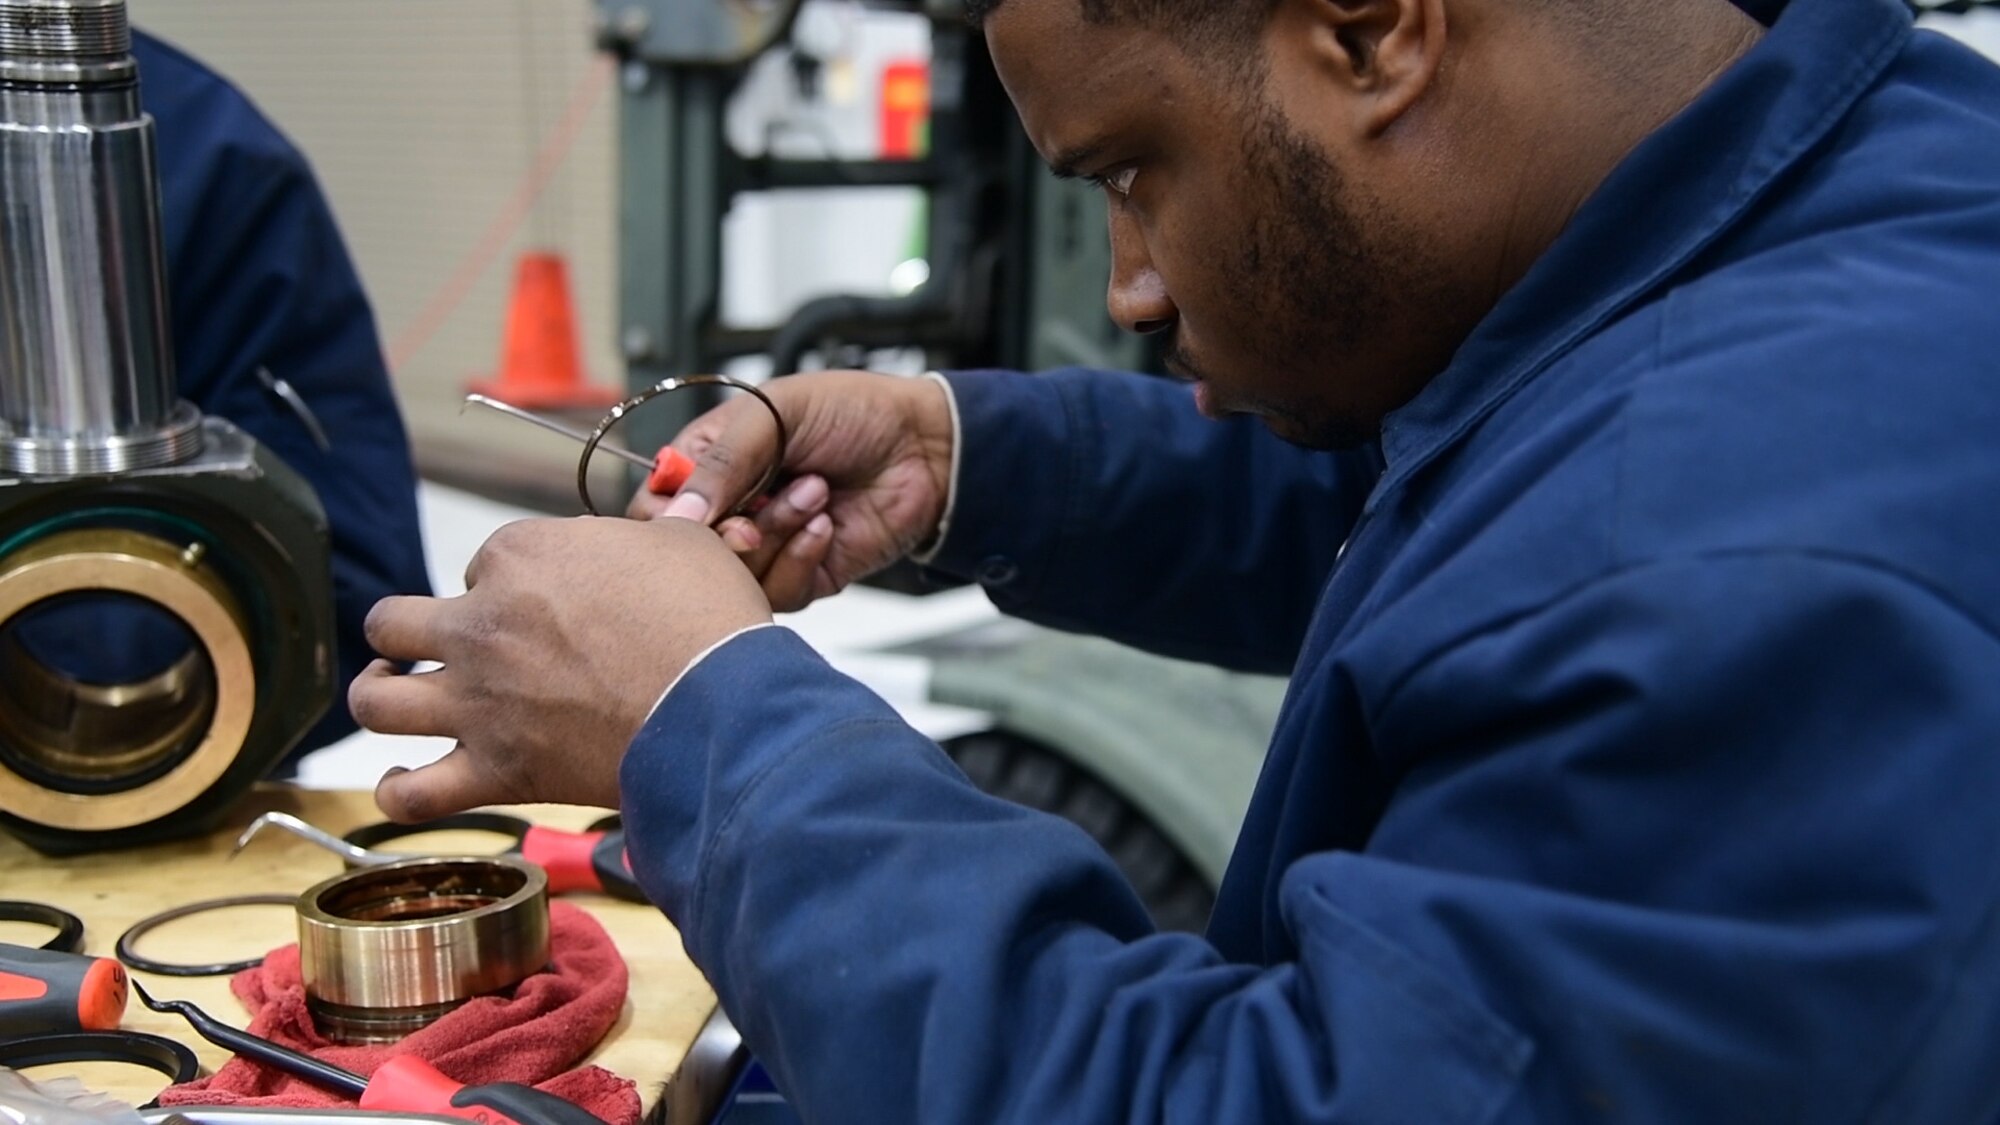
(165, 597)
(387, 950)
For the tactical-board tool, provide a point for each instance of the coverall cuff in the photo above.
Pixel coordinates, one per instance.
(701, 656)
(732, 720)
(1014, 439)
(928, 551)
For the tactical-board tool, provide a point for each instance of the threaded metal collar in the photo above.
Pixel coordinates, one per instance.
(65, 41)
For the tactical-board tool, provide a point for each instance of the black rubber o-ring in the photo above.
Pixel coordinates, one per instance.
(220, 968)
(155, 1052)
(68, 927)
(375, 835)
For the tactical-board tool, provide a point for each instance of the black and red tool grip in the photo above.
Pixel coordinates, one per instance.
(43, 991)
(408, 1084)
(582, 861)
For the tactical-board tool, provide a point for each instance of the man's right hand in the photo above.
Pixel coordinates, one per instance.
(868, 472)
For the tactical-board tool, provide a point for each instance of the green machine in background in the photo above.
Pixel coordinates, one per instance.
(1018, 260)
(1155, 758)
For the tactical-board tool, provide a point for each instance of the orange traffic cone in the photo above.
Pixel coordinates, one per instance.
(539, 368)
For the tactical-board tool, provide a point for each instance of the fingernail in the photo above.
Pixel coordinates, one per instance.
(811, 539)
(808, 494)
(687, 506)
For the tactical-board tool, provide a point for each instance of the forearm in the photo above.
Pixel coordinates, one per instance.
(1074, 484)
(899, 947)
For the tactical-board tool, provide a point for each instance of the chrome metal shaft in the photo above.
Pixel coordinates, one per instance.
(86, 368)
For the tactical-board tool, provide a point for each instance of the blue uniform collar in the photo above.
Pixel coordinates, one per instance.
(1680, 190)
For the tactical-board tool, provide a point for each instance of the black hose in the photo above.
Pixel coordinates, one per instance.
(825, 316)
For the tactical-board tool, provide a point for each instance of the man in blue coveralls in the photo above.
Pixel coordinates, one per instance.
(1603, 400)
(259, 280)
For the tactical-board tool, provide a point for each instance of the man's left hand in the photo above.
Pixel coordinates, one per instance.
(553, 658)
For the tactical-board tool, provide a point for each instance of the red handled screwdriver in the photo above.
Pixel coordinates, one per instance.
(582, 861)
(43, 991)
(404, 1084)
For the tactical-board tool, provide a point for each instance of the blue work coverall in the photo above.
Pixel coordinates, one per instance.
(1641, 761)
(258, 277)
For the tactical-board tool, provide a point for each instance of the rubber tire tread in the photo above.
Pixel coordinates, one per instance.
(1028, 773)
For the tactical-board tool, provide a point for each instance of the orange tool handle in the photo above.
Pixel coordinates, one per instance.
(408, 1084)
(671, 470)
(42, 991)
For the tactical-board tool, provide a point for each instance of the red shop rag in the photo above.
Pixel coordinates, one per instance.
(534, 1037)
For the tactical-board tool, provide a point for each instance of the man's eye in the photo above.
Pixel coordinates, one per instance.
(1119, 182)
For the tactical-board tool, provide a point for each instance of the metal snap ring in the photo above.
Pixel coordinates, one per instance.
(667, 386)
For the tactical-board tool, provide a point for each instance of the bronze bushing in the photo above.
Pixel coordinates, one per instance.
(85, 729)
(386, 950)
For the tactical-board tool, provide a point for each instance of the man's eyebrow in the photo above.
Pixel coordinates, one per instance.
(1064, 165)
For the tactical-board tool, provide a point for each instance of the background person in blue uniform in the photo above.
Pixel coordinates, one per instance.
(258, 279)
(1642, 755)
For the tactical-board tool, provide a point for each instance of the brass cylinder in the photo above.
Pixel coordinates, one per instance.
(386, 950)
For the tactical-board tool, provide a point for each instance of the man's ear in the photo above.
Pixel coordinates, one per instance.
(1386, 51)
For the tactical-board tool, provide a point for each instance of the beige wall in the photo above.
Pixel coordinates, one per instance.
(420, 116)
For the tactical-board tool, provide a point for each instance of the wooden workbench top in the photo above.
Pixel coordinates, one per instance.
(665, 1009)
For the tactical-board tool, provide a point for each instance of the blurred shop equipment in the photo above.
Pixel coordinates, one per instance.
(165, 601)
(1017, 260)
(906, 109)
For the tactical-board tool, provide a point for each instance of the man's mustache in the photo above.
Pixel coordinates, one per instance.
(1179, 363)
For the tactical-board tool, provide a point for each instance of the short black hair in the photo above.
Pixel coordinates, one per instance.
(1215, 22)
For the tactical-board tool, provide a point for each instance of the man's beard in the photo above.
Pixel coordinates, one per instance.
(1317, 281)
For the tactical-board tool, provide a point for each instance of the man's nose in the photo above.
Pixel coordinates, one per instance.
(1137, 298)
